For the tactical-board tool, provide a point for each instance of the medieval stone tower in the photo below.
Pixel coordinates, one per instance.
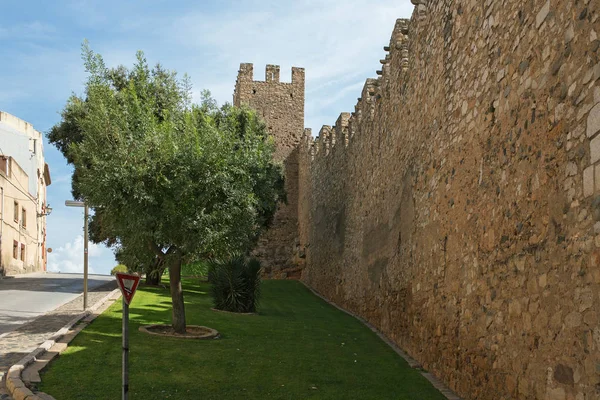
(281, 105)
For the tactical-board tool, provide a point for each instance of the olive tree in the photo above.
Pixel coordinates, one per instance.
(187, 181)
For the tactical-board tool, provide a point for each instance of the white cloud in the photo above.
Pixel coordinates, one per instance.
(69, 258)
(61, 179)
(338, 42)
(28, 30)
(354, 88)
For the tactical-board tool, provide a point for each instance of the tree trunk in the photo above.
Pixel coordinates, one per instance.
(154, 272)
(152, 279)
(177, 294)
(160, 267)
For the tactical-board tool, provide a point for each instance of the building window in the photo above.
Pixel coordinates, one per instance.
(15, 249)
(16, 212)
(23, 217)
(4, 165)
(22, 252)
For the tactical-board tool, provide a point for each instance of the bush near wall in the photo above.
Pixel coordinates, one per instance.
(235, 284)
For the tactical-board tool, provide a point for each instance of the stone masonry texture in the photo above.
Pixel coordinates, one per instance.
(457, 208)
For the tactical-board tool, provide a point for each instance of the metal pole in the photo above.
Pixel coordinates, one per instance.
(85, 257)
(1, 232)
(125, 392)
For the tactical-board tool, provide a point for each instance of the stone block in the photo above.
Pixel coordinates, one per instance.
(595, 150)
(597, 177)
(59, 347)
(14, 373)
(556, 394)
(571, 169)
(569, 34)
(500, 75)
(573, 320)
(14, 384)
(543, 280)
(514, 308)
(586, 300)
(31, 375)
(23, 393)
(593, 121)
(596, 72)
(588, 181)
(541, 17)
(596, 94)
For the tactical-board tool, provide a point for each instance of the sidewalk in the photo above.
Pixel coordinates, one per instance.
(17, 344)
(28, 296)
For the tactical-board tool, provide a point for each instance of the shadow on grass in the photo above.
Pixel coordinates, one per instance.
(204, 293)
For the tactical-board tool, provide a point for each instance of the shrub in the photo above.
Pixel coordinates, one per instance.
(119, 268)
(235, 284)
(197, 268)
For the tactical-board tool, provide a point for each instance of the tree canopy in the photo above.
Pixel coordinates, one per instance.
(174, 179)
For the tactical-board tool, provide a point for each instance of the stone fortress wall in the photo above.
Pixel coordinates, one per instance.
(458, 207)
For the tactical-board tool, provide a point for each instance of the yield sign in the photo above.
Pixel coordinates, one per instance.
(128, 284)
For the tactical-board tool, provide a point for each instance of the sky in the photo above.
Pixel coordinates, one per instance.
(338, 42)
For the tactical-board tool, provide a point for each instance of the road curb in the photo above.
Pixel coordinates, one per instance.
(439, 385)
(14, 383)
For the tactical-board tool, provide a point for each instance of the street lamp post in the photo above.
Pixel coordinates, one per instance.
(73, 203)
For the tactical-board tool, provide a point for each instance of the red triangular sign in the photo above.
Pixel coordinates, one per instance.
(128, 285)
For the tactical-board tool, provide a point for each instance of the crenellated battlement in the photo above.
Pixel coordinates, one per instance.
(399, 41)
(247, 90)
(298, 77)
(325, 140)
(281, 104)
(395, 63)
(341, 128)
(306, 135)
(272, 74)
(420, 8)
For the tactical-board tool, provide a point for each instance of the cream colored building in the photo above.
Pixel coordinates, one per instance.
(24, 176)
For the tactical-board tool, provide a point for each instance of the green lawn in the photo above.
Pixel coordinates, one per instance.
(298, 347)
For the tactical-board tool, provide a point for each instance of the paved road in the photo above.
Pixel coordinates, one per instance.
(23, 298)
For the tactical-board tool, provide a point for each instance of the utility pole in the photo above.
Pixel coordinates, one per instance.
(74, 203)
(85, 256)
(1, 231)
(125, 364)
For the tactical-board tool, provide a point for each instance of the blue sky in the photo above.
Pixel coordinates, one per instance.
(339, 42)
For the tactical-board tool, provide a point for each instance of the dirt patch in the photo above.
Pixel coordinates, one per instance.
(192, 331)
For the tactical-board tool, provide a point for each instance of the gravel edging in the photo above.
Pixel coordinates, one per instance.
(14, 382)
(439, 385)
(210, 333)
